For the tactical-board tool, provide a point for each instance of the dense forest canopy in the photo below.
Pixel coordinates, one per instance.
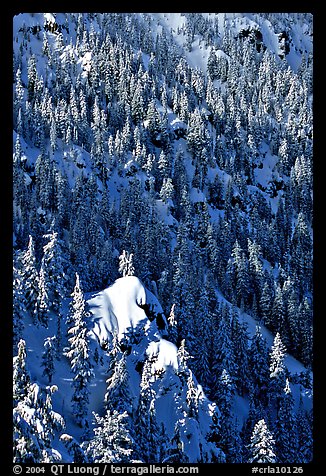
(176, 148)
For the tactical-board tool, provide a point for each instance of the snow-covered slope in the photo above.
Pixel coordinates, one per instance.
(116, 310)
(118, 307)
(233, 151)
(282, 38)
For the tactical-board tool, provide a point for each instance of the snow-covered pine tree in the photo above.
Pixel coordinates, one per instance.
(265, 303)
(31, 77)
(30, 275)
(42, 305)
(306, 331)
(146, 427)
(183, 356)
(258, 368)
(53, 265)
(224, 354)
(34, 421)
(79, 355)
(172, 329)
(117, 395)
(192, 397)
(203, 340)
(225, 391)
(285, 435)
(304, 435)
(35, 425)
(48, 357)
(19, 306)
(240, 342)
(126, 267)
(167, 190)
(21, 377)
(262, 444)
(278, 311)
(77, 302)
(111, 442)
(277, 371)
(177, 450)
(44, 180)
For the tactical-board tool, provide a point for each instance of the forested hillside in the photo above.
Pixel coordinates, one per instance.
(163, 209)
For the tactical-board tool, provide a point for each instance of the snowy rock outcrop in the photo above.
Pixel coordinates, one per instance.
(180, 403)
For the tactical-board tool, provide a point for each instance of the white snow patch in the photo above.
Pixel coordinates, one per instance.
(178, 124)
(117, 307)
(197, 195)
(164, 213)
(166, 354)
(48, 17)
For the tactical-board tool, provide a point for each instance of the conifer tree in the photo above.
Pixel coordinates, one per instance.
(172, 329)
(21, 377)
(225, 392)
(177, 452)
(240, 342)
(277, 370)
(34, 421)
(146, 426)
(53, 265)
(203, 333)
(183, 356)
(262, 444)
(42, 305)
(259, 367)
(278, 311)
(31, 77)
(230, 441)
(35, 425)
(118, 396)
(111, 442)
(192, 398)
(224, 353)
(19, 92)
(304, 434)
(48, 357)
(79, 355)
(19, 306)
(126, 267)
(285, 436)
(30, 275)
(265, 304)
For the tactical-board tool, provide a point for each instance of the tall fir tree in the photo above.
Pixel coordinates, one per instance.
(55, 273)
(19, 306)
(117, 396)
(35, 426)
(48, 357)
(258, 368)
(79, 355)
(111, 442)
(21, 377)
(262, 444)
(30, 275)
(126, 266)
(42, 305)
(277, 371)
(285, 435)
